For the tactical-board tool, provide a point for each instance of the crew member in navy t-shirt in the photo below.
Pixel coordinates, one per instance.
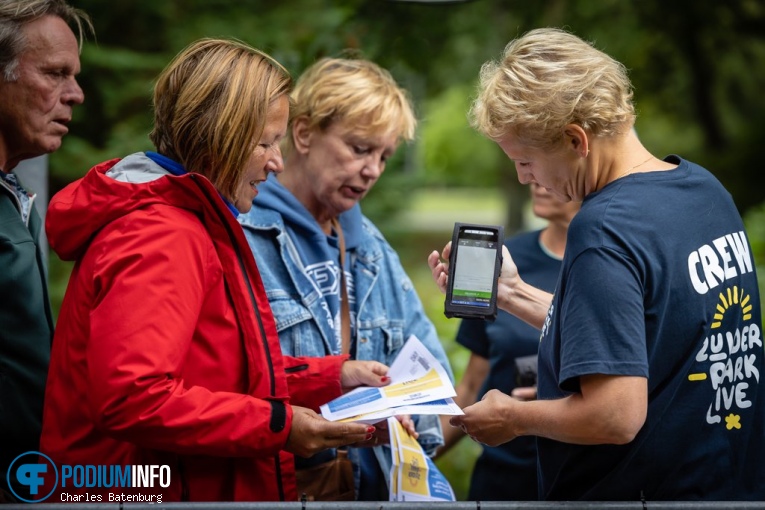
(651, 354)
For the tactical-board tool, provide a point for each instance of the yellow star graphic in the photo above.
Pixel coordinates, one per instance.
(732, 421)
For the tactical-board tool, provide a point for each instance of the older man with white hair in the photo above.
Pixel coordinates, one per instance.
(39, 59)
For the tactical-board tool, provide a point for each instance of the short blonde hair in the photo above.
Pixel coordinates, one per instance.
(210, 106)
(355, 92)
(549, 78)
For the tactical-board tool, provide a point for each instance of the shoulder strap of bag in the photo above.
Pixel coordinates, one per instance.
(345, 312)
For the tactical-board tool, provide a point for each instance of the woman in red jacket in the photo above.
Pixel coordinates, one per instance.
(166, 351)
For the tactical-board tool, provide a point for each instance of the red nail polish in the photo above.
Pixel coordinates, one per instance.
(369, 436)
(385, 378)
(370, 429)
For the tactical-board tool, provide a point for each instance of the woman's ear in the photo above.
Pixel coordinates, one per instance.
(576, 139)
(301, 134)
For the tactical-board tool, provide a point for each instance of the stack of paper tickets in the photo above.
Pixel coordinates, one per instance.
(413, 475)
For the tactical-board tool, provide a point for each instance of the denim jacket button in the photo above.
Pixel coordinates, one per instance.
(364, 340)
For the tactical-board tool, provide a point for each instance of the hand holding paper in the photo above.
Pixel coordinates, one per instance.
(310, 433)
(355, 373)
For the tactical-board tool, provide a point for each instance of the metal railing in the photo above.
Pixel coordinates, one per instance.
(387, 505)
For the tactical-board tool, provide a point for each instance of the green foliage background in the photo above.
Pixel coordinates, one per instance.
(698, 67)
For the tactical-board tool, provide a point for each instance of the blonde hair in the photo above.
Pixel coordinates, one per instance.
(210, 106)
(549, 78)
(356, 92)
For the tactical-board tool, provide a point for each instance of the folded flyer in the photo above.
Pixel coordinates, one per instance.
(414, 476)
(416, 378)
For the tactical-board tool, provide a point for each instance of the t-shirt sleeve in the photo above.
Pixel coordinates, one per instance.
(472, 334)
(602, 319)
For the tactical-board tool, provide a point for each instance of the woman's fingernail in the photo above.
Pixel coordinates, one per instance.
(369, 436)
(385, 378)
(370, 429)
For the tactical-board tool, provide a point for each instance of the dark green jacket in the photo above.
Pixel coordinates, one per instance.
(26, 331)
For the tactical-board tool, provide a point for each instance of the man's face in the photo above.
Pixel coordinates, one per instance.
(36, 107)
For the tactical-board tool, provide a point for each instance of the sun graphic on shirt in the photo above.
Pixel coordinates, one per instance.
(735, 296)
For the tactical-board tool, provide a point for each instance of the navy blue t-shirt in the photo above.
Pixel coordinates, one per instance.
(509, 472)
(659, 281)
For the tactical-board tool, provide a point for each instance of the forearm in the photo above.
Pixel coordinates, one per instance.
(525, 302)
(193, 420)
(313, 381)
(611, 410)
(569, 421)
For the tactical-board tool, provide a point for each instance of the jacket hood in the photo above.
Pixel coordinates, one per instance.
(272, 195)
(109, 191)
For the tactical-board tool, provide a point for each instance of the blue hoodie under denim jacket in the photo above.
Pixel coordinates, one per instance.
(388, 308)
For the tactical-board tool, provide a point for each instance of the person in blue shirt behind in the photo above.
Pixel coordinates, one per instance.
(306, 227)
(651, 354)
(508, 472)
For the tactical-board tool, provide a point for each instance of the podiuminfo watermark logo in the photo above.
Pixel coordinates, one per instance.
(32, 469)
(38, 474)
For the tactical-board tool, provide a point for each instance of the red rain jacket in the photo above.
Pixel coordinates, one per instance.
(166, 350)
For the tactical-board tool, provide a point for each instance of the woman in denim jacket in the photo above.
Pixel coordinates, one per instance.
(348, 118)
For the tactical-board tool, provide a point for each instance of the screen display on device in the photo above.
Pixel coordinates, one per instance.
(474, 267)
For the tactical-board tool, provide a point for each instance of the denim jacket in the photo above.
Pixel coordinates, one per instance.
(388, 308)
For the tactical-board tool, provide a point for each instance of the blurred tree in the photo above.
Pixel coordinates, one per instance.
(697, 68)
(706, 68)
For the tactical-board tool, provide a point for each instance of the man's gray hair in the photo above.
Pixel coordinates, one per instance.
(14, 14)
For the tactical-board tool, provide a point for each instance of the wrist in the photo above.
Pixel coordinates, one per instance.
(515, 416)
